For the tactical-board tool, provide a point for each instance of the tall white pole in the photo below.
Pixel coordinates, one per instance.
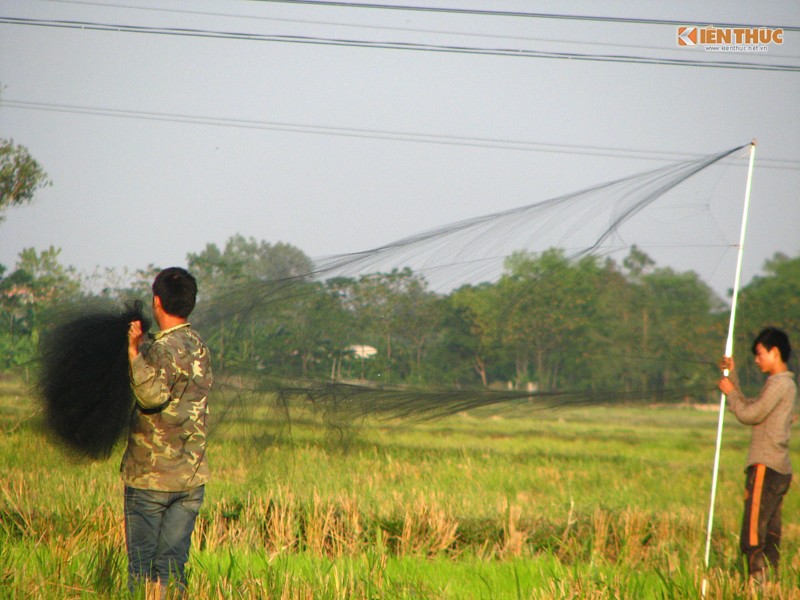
(728, 352)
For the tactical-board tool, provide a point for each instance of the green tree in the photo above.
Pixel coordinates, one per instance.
(48, 281)
(20, 175)
(478, 307)
(637, 263)
(374, 300)
(317, 327)
(547, 304)
(415, 318)
(634, 322)
(245, 260)
(604, 353)
(772, 299)
(681, 331)
(37, 285)
(397, 313)
(246, 291)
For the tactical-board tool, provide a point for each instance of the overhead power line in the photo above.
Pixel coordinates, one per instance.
(451, 140)
(448, 32)
(440, 9)
(508, 13)
(515, 52)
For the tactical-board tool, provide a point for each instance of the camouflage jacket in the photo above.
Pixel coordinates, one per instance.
(171, 380)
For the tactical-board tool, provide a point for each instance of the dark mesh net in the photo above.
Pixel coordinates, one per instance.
(532, 258)
(83, 378)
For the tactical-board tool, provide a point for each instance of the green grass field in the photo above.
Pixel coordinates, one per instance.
(600, 502)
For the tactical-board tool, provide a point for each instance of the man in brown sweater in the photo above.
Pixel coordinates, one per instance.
(769, 471)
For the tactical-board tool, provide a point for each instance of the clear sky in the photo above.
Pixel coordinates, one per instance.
(165, 126)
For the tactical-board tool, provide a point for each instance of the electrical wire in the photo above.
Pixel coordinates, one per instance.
(511, 52)
(433, 9)
(452, 140)
(504, 13)
(350, 25)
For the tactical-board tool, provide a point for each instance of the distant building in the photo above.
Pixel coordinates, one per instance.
(360, 351)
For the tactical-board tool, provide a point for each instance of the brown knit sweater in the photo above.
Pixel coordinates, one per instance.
(770, 415)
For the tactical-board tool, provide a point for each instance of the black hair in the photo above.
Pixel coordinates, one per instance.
(177, 289)
(772, 337)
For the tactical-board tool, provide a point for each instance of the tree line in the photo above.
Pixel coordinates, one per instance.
(548, 323)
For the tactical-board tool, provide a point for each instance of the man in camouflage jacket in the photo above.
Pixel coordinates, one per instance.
(164, 468)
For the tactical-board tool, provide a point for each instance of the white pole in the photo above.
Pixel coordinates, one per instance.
(728, 352)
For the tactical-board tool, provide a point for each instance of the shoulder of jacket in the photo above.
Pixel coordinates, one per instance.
(784, 380)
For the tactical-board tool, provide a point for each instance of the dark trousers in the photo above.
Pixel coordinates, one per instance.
(158, 533)
(761, 524)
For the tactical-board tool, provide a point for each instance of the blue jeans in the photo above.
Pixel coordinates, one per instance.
(158, 532)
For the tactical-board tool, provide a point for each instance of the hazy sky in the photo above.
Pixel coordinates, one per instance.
(170, 125)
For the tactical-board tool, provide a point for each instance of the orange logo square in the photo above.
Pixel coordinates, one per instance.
(687, 35)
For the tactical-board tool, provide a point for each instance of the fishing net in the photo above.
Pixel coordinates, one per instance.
(545, 305)
(83, 377)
